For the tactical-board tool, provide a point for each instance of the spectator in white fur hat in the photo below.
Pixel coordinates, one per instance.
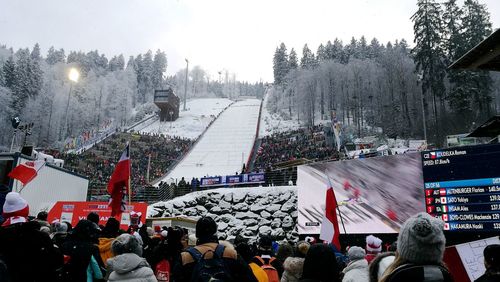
(357, 269)
(373, 247)
(15, 209)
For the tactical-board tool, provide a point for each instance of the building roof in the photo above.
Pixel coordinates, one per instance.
(491, 128)
(485, 56)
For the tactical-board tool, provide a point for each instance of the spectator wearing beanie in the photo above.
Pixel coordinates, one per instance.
(41, 217)
(420, 250)
(60, 234)
(294, 265)
(357, 269)
(127, 264)
(320, 265)
(491, 263)
(373, 247)
(206, 232)
(24, 247)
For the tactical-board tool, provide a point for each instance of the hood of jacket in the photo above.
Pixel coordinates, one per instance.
(294, 265)
(127, 262)
(358, 264)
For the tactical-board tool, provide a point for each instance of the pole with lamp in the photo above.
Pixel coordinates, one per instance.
(186, 84)
(73, 76)
(420, 77)
(171, 118)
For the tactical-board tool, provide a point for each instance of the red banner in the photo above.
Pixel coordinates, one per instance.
(73, 212)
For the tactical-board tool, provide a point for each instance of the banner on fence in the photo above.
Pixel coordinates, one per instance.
(251, 178)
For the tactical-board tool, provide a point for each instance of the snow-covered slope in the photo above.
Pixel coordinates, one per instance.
(246, 211)
(192, 122)
(225, 146)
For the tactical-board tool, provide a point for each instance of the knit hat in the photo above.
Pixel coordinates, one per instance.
(421, 239)
(265, 242)
(126, 243)
(61, 227)
(302, 248)
(206, 228)
(15, 206)
(356, 253)
(373, 244)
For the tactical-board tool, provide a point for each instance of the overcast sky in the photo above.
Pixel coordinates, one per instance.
(239, 36)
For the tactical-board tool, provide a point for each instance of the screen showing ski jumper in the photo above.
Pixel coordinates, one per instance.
(462, 186)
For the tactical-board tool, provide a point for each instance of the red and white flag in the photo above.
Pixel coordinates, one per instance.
(119, 184)
(27, 171)
(330, 226)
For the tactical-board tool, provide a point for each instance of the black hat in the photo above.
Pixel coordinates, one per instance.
(492, 255)
(265, 242)
(94, 217)
(205, 228)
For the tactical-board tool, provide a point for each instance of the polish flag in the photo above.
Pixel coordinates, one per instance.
(119, 184)
(27, 171)
(330, 225)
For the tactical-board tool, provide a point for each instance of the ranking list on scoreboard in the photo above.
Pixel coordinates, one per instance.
(470, 204)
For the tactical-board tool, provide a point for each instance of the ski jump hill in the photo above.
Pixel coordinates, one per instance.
(224, 147)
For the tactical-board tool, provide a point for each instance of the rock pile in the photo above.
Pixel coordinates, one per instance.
(247, 211)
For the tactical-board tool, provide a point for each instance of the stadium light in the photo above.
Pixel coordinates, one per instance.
(74, 75)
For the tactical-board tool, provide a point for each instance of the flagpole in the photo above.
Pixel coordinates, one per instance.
(336, 204)
(130, 175)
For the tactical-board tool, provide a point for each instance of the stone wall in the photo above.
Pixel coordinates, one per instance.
(247, 211)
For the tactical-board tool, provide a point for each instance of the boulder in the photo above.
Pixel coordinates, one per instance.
(279, 214)
(228, 197)
(273, 208)
(190, 202)
(287, 222)
(276, 223)
(265, 214)
(222, 226)
(287, 207)
(179, 204)
(245, 215)
(250, 222)
(240, 207)
(257, 207)
(278, 233)
(239, 197)
(264, 230)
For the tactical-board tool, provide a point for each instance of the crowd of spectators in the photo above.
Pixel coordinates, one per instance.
(98, 163)
(304, 143)
(34, 250)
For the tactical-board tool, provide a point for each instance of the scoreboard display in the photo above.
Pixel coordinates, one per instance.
(462, 187)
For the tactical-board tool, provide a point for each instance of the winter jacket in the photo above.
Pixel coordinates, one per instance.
(105, 248)
(130, 267)
(379, 265)
(293, 269)
(356, 271)
(29, 253)
(93, 270)
(489, 276)
(275, 263)
(258, 272)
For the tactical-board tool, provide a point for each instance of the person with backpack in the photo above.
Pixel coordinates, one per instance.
(266, 259)
(209, 260)
(167, 253)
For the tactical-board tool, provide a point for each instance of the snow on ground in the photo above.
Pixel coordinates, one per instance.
(272, 122)
(192, 122)
(225, 146)
(249, 212)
